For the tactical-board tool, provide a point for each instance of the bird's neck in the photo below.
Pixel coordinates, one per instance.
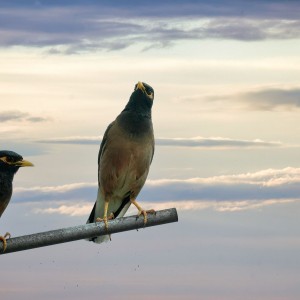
(6, 179)
(138, 111)
(135, 123)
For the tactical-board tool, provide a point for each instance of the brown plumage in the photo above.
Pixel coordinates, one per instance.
(124, 159)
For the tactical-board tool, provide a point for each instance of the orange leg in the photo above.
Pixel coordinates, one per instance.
(3, 239)
(105, 218)
(142, 211)
(105, 215)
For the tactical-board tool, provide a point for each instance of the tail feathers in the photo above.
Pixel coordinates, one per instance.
(92, 219)
(92, 215)
(100, 239)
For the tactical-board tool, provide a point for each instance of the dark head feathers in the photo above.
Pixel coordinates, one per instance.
(11, 161)
(11, 155)
(141, 100)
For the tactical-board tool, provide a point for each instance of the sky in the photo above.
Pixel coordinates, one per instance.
(226, 122)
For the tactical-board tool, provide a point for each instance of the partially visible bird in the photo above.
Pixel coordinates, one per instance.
(124, 159)
(10, 162)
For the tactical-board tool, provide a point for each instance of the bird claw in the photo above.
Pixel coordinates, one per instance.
(145, 213)
(151, 211)
(103, 220)
(3, 239)
(111, 217)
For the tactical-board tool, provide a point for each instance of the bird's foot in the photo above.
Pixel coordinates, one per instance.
(142, 211)
(145, 213)
(111, 217)
(104, 219)
(3, 239)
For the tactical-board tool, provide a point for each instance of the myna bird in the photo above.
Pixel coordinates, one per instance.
(10, 162)
(124, 159)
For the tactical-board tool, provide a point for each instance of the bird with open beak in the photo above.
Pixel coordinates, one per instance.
(10, 162)
(124, 159)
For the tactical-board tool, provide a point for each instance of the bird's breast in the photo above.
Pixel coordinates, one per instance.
(5, 192)
(124, 165)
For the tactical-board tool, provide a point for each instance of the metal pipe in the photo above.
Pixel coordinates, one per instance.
(87, 231)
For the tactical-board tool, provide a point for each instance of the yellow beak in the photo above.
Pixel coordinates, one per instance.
(141, 87)
(24, 163)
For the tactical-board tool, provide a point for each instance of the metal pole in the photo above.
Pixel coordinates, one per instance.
(87, 231)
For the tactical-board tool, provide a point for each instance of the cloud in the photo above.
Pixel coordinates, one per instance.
(71, 210)
(6, 116)
(168, 8)
(80, 140)
(223, 193)
(18, 116)
(226, 206)
(263, 99)
(69, 29)
(215, 142)
(252, 29)
(69, 192)
(200, 142)
(272, 99)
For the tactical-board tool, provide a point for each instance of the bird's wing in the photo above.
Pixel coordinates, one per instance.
(103, 145)
(153, 148)
(101, 151)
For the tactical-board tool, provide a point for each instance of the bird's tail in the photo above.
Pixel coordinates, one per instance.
(118, 208)
(97, 212)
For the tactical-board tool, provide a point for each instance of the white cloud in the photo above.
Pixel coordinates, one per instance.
(71, 210)
(188, 205)
(222, 193)
(268, 178)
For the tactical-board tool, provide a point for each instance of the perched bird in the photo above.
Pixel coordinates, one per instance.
(10, 162)
(124, 159)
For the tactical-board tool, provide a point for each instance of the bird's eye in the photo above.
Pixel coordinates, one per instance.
(149, 93)
(9, 159)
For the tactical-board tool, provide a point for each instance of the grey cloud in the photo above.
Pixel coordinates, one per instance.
(267, 99)
(215, 143)
(260, 186)
(162, 9)
(15, 115)
(6, 116)
(37, 119)
(252, 30)
(75, 29)
(271, 99)
(201, 142)
(94, 140)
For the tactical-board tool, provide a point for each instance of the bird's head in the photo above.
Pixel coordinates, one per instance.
(141, 100)
(11, 161)
(146, 90)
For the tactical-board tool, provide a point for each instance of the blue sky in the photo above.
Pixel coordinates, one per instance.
(226, 120)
